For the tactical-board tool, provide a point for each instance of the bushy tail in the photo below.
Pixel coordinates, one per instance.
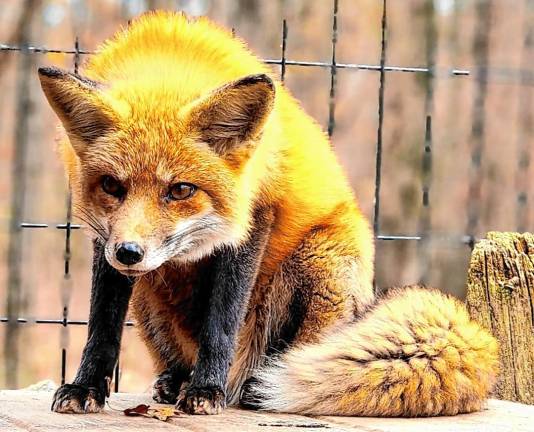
(415, 353)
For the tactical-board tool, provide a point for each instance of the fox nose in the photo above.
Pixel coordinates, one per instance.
(129, 253)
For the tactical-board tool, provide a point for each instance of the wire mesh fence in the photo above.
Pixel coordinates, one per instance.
(430, 71)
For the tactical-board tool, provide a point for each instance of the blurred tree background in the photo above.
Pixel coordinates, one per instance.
(476, 178)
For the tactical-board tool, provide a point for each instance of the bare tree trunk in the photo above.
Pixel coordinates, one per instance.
(526, 130)
(431, 41)
(18, 185)
(159, 4)
(26, 12)
(478, 130)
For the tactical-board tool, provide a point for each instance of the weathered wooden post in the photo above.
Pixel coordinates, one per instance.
(500, 296)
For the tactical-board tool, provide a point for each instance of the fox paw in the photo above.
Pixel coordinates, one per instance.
(166, 388)
(77, 399)
(202, 400)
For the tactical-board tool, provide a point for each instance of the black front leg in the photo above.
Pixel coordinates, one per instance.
(235, 275)
(110, 295)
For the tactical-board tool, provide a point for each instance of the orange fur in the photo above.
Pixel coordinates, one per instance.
(171, 100)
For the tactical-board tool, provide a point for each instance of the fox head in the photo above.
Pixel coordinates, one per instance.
(157, 185)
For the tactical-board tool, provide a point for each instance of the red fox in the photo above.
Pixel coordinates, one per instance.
(218, 210)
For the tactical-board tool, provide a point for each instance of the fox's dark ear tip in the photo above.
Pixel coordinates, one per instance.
(257, 79)
(50, 72)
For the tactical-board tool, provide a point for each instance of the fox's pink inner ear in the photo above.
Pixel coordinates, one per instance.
(235, 113)
(76, 102)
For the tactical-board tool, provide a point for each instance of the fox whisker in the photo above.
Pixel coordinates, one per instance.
(158, 272)
(175, 238)
(94, 223)
(95, 229)
(86, 216)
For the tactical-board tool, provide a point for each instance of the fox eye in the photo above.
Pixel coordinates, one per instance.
(112, 186)
(181, 191)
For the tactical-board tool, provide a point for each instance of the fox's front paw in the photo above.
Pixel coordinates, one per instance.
(76, 399)
(166, 388)
(202, 400)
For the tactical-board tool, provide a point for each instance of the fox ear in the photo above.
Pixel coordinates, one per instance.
(234, 113)
(78, 104)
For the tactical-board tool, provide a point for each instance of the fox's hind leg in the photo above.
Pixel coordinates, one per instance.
(329, 278)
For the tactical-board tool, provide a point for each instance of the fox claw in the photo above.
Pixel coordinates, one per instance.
(205, 400)
(77, 399)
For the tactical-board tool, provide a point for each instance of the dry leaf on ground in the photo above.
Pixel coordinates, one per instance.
(159, 413)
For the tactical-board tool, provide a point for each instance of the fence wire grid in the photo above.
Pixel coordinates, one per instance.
(481, 77)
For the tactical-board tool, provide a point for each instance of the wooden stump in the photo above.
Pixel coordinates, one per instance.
(500, 296)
